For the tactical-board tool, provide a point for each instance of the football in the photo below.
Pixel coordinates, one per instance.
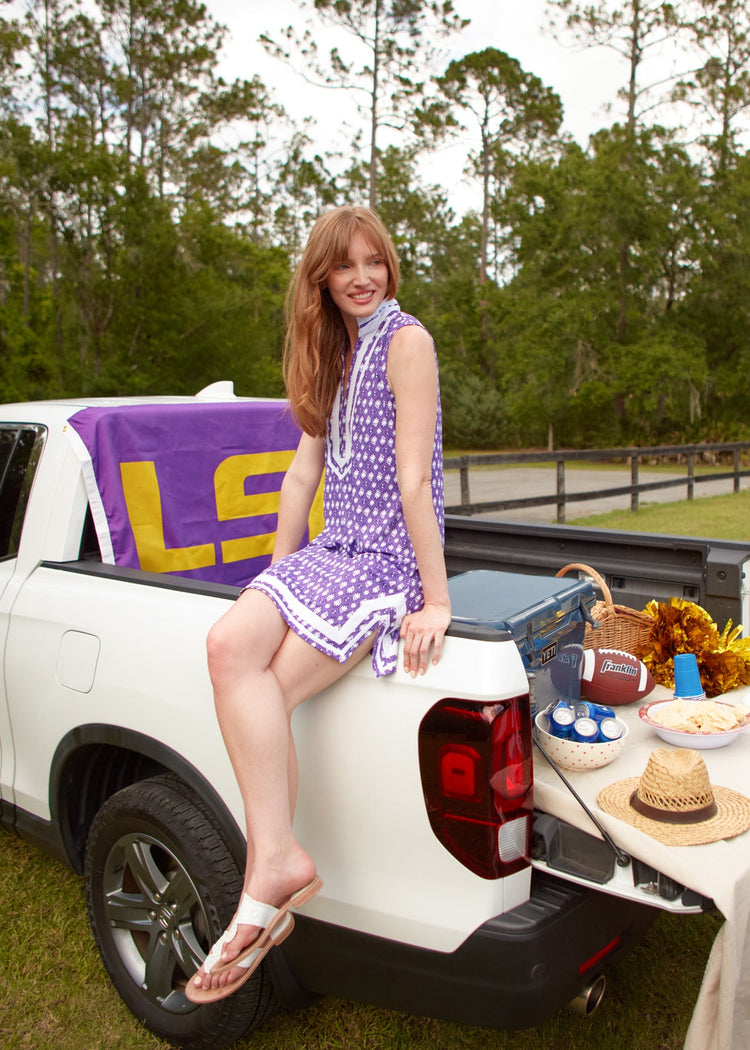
(612, 677)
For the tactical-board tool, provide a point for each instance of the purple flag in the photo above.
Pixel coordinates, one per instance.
(187, 488)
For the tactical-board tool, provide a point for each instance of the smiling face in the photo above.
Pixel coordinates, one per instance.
(358, 283)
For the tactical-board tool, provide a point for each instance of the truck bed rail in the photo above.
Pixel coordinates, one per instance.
(637, 567)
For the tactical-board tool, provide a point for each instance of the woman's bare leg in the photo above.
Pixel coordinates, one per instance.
(261, 671)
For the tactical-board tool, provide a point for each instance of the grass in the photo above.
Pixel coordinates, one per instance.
(723, 517)
(55, 995)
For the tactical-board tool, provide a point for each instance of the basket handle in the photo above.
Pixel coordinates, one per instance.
(599, 580)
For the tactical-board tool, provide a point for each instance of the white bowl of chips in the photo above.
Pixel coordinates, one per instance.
(701, 724)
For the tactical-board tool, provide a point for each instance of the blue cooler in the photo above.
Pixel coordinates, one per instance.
(546, 617)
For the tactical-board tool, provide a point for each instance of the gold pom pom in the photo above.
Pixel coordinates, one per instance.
(680, 626)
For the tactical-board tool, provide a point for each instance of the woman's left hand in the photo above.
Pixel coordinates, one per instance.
(422, 631)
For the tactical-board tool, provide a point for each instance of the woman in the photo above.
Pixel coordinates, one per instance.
(362, 380)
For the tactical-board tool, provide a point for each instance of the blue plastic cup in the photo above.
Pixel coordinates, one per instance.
(687, 679)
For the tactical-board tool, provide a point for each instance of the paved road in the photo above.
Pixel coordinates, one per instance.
(522, 482)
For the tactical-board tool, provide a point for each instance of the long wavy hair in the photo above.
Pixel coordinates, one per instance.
(316, 332)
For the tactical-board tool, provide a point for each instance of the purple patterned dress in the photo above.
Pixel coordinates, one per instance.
(360, 574)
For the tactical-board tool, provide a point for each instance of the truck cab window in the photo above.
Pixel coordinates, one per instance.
(19, 454)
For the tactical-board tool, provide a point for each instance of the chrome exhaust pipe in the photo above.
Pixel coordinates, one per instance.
(588, 998)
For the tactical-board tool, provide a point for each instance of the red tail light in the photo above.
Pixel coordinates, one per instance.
(460, 769)
(475, 763)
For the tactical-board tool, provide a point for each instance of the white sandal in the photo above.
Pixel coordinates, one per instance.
(276, 924)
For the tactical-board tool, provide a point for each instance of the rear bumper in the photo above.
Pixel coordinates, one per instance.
(513, 972)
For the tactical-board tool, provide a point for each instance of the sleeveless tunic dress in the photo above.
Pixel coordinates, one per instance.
(360, 574)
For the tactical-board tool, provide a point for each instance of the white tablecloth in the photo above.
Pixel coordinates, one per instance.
(720, 870)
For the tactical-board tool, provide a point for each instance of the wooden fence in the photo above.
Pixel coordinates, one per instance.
(680, 454)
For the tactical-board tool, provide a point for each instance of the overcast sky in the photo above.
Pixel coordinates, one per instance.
(586, 80)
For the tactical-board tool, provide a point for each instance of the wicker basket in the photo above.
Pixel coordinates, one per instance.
(619, 627)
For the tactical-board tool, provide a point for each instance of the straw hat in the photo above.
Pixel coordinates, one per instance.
(674, 801)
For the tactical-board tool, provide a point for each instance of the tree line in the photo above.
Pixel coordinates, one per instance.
(152, 212)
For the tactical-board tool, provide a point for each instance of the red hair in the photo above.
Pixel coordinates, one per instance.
(315, 328)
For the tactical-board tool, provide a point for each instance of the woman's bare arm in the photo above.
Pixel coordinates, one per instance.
(413, 378)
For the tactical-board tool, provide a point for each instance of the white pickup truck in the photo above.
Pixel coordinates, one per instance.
(417, 794)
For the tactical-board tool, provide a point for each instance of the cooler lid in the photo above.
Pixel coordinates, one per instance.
(510, 600)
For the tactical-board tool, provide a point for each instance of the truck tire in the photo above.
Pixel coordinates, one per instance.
(161, 886)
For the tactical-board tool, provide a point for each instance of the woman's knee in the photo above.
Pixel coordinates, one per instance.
(244, 639)
(222, 649)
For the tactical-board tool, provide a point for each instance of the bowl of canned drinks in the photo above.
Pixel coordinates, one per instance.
(580, 736)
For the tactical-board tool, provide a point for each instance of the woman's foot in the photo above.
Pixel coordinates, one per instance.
(255, 928)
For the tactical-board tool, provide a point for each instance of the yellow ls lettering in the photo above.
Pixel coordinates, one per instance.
(141, 490)
(233, 503)
(143, 499)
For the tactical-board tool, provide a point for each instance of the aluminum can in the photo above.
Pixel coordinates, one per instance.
(561, 720)
(609, 729)
(585, 709)
(585, 731)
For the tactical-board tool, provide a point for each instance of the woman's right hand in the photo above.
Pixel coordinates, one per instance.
(422, 631)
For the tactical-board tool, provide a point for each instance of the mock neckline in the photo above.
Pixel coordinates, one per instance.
(386, 306)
